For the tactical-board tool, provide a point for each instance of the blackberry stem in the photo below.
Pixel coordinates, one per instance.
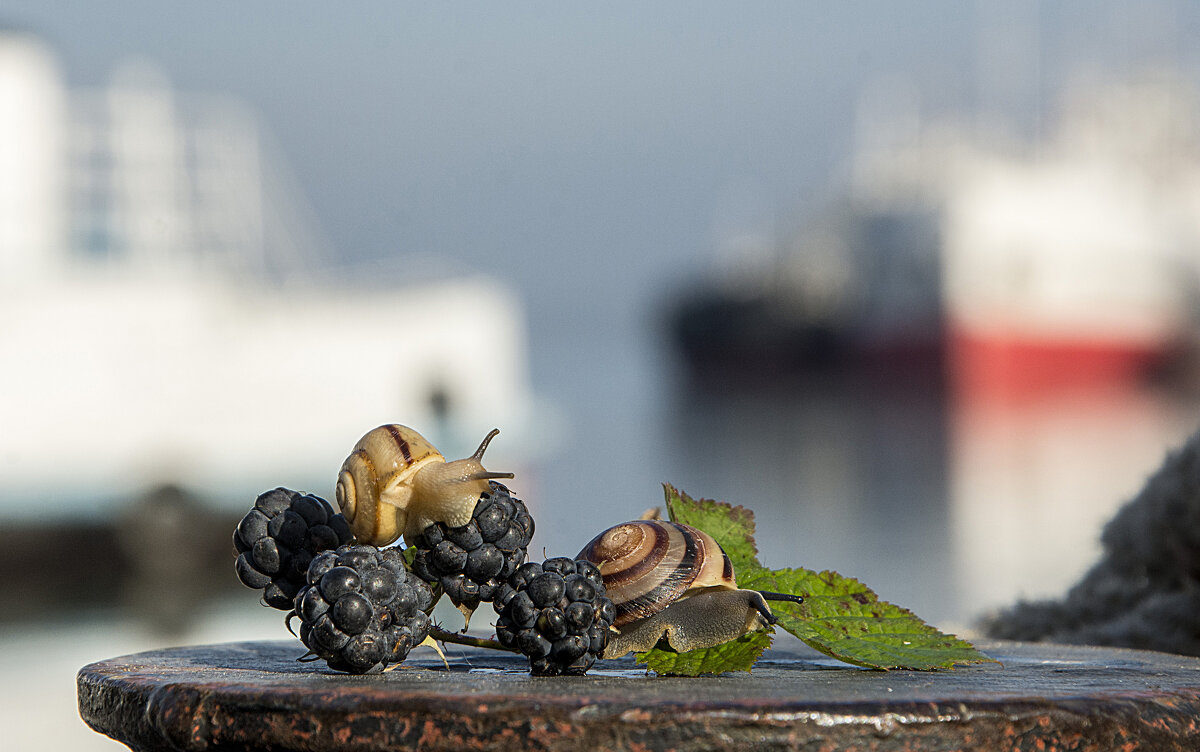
(442, 635)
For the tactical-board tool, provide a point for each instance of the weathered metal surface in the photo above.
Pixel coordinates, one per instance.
(255, 696)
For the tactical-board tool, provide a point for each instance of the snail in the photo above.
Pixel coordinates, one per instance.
(675, 583)
(396, 483)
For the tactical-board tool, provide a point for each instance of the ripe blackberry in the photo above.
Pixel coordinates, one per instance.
(471, 561)
(361, 609)
(556, 613)
(278, 538)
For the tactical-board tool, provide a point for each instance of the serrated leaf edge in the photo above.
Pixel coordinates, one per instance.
(744, 517)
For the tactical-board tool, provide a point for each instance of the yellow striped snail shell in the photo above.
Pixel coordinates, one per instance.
(673, 583)
(396, 483)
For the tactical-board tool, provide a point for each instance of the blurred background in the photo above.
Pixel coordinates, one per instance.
(918, 283)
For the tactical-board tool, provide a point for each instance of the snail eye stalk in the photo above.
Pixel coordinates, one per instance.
(781, 597)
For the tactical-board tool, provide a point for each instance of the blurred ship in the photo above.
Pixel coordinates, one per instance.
(1025, 311)
(168, 316)
(857, 289)
(1023, 268)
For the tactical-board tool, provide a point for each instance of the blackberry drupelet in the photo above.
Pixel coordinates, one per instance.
(557, 614)
(361, 609)
(278, 538)
(471, 561)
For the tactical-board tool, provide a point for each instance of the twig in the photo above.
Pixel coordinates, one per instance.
(442, 635)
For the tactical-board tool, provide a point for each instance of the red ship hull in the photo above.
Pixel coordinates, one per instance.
(1015, 366)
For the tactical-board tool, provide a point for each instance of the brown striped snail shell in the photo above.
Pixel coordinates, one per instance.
(673, 583)
(396, 483)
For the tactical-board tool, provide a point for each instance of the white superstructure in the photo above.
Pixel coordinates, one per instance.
(32, 153)
(1094, 238)
(163, 316)
(1088, 235)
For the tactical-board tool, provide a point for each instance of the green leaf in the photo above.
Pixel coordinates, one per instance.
(844, 619)
(732, 527)
(409, 555)
(840, 616)
(735, 655)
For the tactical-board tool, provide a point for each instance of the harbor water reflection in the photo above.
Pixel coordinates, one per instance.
(843, 473)
(1034, 479)
(948, 501)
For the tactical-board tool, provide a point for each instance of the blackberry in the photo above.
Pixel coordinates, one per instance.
(278, 538)
(557, 614)
(361, 609)
(471, 561)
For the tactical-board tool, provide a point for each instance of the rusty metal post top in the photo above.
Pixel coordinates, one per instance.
(255, 695)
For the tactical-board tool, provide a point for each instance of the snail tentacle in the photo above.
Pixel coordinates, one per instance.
(483, 445)
(488, 475)
(396, 483)
(787, 597)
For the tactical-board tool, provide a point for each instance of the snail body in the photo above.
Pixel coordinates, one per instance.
(395, 483)
(673, 582)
